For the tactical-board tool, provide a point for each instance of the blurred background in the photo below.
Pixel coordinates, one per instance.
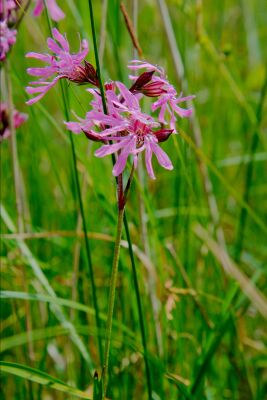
(198, 232)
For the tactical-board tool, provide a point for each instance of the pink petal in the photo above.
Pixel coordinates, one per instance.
(34, 99)
(123, 156)
(42, 89)
(129, 98)
(56, 13)
(75, 127)
(138, 64)
(116, 129)
(53, 46)
(33, 90)
(84, 51)
(183, 112)
(103, 118)
(149, 161)
(173, 121)
(38, 8)
(110, 148)
(42, 57)
(45, 72)
(61, 39)
(162, 157)
(19, 119)
(159, 103)
(162, 113)
(187, 98)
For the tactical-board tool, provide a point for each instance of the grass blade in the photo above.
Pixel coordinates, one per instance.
(36, 376)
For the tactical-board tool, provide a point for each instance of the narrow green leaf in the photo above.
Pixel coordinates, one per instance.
(8, 294)
(37, 376)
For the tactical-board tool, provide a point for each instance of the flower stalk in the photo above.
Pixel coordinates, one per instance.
(111, 301)
(14, 151)
(122, 199)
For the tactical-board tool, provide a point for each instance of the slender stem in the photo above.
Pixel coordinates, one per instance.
(249, 175)
(140, 312)
(111, 301)
(87, 245)
(14, 151)
(96, 57)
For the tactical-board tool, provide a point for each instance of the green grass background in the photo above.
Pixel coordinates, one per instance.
(206, 338)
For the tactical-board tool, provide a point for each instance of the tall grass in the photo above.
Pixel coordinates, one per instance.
(190, 305)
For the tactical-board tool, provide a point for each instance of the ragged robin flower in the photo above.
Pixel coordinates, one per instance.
(61, 64)
(125, 130)
(128, 127)
(7, 39)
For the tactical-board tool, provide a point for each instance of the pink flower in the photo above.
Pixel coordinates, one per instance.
(130, 129)
(61, 64)
(18, 120)
(7, 39)
(9, 11)
(159, 86)
(6, 7)
(55, 12)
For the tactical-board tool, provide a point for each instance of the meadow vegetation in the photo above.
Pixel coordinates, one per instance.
(190, 307)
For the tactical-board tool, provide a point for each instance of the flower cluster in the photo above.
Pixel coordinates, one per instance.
(127, 126)
(8, 38)
(124, 129)
(18, 119)
(8, 11)
(61, 64)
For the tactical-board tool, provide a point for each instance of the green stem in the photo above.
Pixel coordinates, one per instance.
(111, 301)
(249, 174)
(14, 151)
(139, 306)
(96, 57)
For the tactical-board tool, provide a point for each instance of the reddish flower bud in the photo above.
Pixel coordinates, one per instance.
(148, 85)
(110, 86)
(163, 134)
(154, 89)
(84, 74)
(141, 81)
(94, 136)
